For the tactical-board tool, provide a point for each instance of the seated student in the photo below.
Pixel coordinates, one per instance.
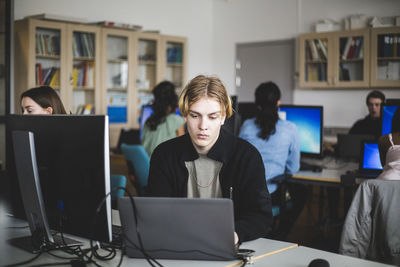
(208, 162)
(41, 100)
(163, 124)
(389, 150)
(371, 123)
(278, 142)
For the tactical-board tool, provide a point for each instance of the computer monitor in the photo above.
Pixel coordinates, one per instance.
(247, 110)
(309, 122)
(387, 110)
(72, 155)
(147, 111)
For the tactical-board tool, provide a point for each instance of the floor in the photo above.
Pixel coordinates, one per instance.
(308, 231)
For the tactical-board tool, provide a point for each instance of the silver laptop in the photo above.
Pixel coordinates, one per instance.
(178, 228)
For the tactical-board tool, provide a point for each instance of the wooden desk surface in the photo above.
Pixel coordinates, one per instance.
(302, 256)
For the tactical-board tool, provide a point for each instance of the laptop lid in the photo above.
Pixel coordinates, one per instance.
(349, 145)
(179, 228)
(370, 162)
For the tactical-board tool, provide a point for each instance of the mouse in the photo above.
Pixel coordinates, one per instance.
(316, 169)
(319, 263)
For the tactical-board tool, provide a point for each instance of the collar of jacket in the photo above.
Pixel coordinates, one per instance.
(220, 151)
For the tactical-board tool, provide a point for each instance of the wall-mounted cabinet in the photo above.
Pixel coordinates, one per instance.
(111, 70)
(385, 57)
(350, 59)
(334, 59)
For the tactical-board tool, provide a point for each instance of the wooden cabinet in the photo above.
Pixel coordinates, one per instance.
(334, 59)
(174, 60)
(316, 60)
(110, 70)
(366, 58)
(63, 56)
(385, 57)
(118, 66)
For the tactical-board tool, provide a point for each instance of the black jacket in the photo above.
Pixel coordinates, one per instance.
(367, 125)
(242, 177)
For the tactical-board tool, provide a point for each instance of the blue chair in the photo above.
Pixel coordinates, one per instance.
(139, 164)
(117, 180)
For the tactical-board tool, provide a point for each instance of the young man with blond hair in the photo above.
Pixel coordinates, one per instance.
(208, 162)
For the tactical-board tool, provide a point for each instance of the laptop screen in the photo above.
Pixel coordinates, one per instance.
(370, 157)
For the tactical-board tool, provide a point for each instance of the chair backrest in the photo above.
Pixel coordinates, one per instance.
(371, 229)
(117, 180)
(140, 160)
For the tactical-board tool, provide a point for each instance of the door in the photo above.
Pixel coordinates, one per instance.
(265, 61)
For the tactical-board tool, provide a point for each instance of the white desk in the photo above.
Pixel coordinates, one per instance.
(10, 254)
(302, 256)
(268, 253)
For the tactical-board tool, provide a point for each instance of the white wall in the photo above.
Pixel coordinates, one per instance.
(238, 21)
(213, 28)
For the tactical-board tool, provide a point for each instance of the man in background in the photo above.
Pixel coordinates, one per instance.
(371, 123)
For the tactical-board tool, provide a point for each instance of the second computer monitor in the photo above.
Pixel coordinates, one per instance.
(309, 122)
(388, 109)
(72, 155)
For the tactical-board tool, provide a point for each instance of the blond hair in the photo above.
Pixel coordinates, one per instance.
(205, 86)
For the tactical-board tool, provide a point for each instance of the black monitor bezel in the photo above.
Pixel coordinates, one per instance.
(388, 102)
(21, 122)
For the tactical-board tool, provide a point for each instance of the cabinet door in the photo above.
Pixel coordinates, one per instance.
(316, 60)
(84, 68)
(118, 83)
(385, 57)
(174, 61)
(351, 59)
(40, 57)
(148, 72)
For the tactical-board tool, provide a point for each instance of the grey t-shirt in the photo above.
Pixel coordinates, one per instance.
(203, 181)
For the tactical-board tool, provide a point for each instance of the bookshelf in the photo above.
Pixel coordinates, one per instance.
(97, 69)
(316, 60)
(385, 57)
(350, 59)
(174, 60)
(118, 83)
(351, 67)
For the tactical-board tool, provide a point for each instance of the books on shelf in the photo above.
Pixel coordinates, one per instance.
(389, 45)
(317, 49)
(174, 54)
(85, 109)
(47, 45)
(83, 74)
(47, 76)
(113, 24)
(83, 45)
(351, 47)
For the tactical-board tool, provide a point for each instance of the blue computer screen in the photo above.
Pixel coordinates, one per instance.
(309, 122)
(387, 115)
(371, 159)
(146, 113)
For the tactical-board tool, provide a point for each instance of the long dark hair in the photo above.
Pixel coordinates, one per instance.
(45, 96)
(267, 95)
(165, 102)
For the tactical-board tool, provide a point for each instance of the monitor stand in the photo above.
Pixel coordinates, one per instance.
(29, 244)
(304, 166)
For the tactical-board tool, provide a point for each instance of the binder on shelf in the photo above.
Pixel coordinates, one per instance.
(346, 48)
(323, 47)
